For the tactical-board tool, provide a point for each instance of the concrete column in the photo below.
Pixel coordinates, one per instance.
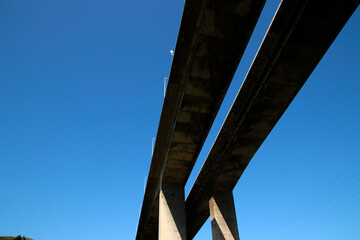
(223, 218)
(172, 217)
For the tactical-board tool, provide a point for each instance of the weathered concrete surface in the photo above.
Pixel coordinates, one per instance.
(223, 216)
(212, 38)
(172, 217)
(299, 36)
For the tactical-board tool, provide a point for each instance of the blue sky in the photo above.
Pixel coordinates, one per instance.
(81, 91)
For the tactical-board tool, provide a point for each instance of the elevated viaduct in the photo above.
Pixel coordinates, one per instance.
(212, 38)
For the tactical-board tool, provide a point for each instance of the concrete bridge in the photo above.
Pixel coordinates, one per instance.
(212, 38)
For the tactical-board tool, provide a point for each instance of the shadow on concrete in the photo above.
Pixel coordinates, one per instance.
(172, 216)
(223, 217)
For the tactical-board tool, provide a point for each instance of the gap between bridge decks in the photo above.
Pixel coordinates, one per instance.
(254, 43)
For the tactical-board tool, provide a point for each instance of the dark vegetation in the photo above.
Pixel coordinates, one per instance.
(15, 238)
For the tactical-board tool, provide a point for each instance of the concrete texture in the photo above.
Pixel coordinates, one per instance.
(299, 36)
(172, 218)
(212, 38)
(223, 217)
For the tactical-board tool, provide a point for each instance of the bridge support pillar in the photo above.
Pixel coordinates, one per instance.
(172, 216)
(223, 218)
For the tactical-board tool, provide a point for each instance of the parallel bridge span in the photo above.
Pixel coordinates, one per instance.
(212, 38)
(297, 39)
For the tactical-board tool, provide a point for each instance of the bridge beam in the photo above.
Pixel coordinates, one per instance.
(172, 217)
(223, 217)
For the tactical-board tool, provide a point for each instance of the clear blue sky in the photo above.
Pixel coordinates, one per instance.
(81, 91)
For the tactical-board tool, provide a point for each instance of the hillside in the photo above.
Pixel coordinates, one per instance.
(15, 238)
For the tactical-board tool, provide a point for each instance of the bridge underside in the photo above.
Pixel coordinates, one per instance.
(212, 38)
(299, 36)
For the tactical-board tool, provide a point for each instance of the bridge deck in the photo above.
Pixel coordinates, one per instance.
(212, 38)
(299, 36)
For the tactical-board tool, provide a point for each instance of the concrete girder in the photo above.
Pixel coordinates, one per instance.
(212, 37)
(297, 39)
